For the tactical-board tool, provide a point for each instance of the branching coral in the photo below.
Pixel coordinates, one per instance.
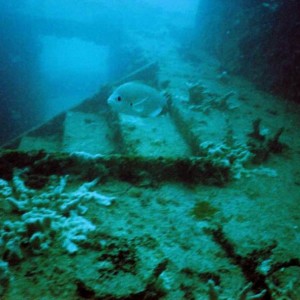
(202, 100)
(43, 216)
(236, 156)
(262, 145)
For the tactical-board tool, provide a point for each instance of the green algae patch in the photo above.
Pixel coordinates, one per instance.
(203, 210)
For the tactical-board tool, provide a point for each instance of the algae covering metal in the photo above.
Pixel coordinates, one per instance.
(133, 169)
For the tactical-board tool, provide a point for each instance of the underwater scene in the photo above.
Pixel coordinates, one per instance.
(149, 149)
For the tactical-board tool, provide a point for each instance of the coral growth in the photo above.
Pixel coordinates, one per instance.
(203, 101)
(235, 157)
(261, 145)
(43, 218)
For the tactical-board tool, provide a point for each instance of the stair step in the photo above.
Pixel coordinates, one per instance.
(152, 137)
(48, 143)
(86, 132)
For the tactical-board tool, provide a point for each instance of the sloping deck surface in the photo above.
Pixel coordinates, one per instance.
(96, 205)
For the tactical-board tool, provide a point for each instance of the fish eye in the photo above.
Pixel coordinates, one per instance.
(119, 98)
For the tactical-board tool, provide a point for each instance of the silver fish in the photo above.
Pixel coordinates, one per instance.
(137, 99)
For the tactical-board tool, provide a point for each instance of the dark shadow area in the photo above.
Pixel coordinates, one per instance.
(256, 39)
(19, 76)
